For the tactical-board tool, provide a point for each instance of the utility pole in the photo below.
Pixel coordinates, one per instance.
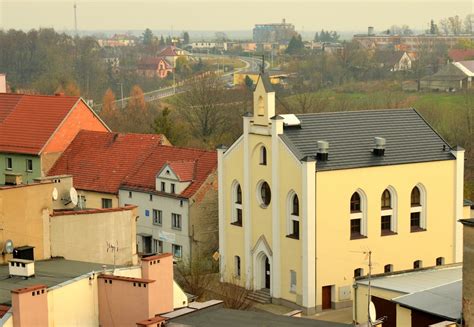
(369, 299)
(121, 93)
(75, 18)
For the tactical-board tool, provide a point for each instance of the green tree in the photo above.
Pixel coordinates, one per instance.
(248, 82)
(186, 38)
(296, 45)
(148, 37)
(164, 124)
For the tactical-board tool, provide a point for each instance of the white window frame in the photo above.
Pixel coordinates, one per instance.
(392, 212)
(176, 221)
(259, 194)
(174, 248)
(158, 219)
(422, 207)
(173, 188)
(157, 246)
(28, 161)
(263, 155)
(236, 206)
(290, 216)
(9, 163)
(362, 215)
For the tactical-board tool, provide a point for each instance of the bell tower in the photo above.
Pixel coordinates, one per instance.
(263, 101)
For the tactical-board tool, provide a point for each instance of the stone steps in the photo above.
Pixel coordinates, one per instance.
(260, 296)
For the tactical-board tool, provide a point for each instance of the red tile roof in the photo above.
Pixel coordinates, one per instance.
(143, 177)
(101, 161)
(153, 63)
(184, 169)
(4, 309)
(169, 51)
(28, 121)
(459, 54)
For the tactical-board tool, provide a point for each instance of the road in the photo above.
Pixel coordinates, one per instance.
(251, 63)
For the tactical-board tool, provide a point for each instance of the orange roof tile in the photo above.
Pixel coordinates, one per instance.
(101, 161)
(143, 177)
(460, 54)
(28, 121)
(185, 169)
(169, 51)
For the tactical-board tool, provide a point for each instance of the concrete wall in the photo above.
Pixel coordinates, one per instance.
(167, 205)
(94, 199)
(468, 276)
(19, 166)
(99, 230)
(24, 217)
(30, 306)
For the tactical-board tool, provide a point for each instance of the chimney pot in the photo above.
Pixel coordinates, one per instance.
(59, 94)
(379, 147)
(323, 154)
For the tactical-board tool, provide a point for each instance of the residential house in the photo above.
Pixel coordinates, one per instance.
(171, 54)
(393, 61)
(276, 77)
(100, 162)
(456, 55)
(154, 67)
(176, 191)
(451, 77)
(412, 298)
(300, 196)
(36, 129)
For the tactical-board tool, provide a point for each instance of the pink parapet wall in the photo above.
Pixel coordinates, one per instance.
(125, 301)
(30, 306)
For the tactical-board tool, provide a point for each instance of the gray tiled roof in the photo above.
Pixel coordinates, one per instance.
(350, 134)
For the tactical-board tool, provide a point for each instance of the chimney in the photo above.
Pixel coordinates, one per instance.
(323, 148)
(3, 83)
(59, 94)
(160, 269)
(30, 306)
(379, 147)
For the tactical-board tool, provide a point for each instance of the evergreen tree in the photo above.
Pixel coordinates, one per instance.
(296, 45)
(186, 38)
(249, 82)
(147, 37)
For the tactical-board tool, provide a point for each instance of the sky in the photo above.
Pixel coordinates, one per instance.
(226, 15)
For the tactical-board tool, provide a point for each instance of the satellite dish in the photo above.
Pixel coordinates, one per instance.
(73, 196)
(55, 194)
(372, 312)
(8, 246)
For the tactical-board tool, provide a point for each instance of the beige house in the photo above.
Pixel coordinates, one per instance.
(302, 196)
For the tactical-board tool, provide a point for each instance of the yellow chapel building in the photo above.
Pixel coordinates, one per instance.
(303, 198)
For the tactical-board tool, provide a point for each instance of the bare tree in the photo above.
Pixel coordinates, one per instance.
(195, 275)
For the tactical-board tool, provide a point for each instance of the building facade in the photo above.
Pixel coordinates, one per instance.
(273, 33)
(300, 197)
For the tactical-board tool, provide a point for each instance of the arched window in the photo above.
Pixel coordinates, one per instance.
(386, 200)
(293, 220)
(358, 215)
(358, 272)
(265, 194)
(355, 202)
(261, 106)
(295, 206)
(440, 261)
(388, 268)
(236, 204)
(263, 155)
(417, 264)
(388, 217)
(418, 209)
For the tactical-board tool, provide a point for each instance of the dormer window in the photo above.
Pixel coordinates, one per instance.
(163, 187)
(173, 188)
(263, 155)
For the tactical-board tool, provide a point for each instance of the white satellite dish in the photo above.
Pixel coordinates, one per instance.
(73, 196)
(55, 194)
(8, 248)
(372, 312)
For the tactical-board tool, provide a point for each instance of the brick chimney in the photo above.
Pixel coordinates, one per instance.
(3, 83)
(160, 269)
(30, 306)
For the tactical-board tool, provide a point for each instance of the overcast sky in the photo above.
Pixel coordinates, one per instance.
(306, 15)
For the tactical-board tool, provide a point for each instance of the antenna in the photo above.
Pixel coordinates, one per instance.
(113, 248)
(72, 197)
(75, 18)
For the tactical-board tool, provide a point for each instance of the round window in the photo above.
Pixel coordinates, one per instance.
(265, 194)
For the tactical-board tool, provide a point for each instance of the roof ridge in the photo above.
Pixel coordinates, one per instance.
(40, 95)
(351, 111)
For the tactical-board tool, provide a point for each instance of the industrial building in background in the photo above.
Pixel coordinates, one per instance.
(276, 33)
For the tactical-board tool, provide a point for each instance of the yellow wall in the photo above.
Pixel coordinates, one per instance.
(24, 217)
(239, 78)
(97, 231)
(94, 199)
(333, 245)
(403, 316)
(179, 297)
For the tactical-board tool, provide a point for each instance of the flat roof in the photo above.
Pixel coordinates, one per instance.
(416, 280)
(217, 317)
(443, 301)
(47, 272)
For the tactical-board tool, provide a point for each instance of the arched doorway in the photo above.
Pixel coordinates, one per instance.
(263, 272)
(267, 273)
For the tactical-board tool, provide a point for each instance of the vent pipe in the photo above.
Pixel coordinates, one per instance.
(379, 148)
(323, 151)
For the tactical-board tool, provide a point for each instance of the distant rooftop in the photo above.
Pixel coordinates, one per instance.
(47, 272)
(416, 280)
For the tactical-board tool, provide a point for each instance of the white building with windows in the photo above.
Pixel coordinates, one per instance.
(175, 190)
(304, 198)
